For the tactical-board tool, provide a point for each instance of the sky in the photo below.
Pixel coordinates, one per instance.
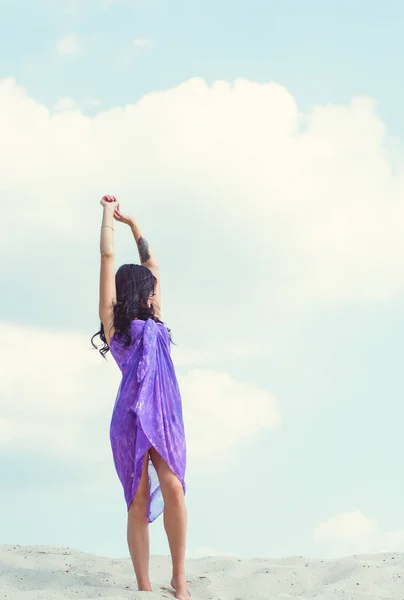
(258, 144)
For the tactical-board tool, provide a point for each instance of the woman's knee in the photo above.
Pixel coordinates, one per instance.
(138, 510)
(172, 490)
(171, 486)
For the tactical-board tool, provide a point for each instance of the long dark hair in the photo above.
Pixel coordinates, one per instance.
(134, 286)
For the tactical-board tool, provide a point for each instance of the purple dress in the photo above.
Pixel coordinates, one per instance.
(147, 411)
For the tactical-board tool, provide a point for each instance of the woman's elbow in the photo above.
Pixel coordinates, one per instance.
(154, 268)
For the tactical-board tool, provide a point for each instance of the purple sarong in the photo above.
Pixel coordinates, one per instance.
(147, 411)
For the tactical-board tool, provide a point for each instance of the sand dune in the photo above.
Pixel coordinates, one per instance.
(47, 573)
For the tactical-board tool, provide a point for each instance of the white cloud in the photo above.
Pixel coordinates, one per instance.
(221, 413)
(207, 354)
(346, 526)
(354, 533)
(128, 52)
(143, 43)
(53, 391)
(311, 216)
(69, 45)
(58, 395)
(65, 103)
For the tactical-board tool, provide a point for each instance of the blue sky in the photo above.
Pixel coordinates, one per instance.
(276, 213)
(322, 51)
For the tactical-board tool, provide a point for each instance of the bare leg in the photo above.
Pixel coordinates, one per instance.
(175, 522)
(138, 531)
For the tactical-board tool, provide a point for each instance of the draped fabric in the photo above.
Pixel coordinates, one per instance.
(147, 411)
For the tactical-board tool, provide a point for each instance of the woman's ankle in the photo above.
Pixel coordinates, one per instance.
(144, 586)
(178, 577)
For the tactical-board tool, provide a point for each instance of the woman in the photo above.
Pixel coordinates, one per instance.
(147, 430)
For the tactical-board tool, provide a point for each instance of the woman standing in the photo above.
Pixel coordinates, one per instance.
(147, 430)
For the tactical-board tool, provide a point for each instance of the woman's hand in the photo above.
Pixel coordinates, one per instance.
(119, 216)
(109, 202)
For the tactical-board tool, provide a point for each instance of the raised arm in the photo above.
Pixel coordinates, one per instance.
(107, 272)
(146, 256)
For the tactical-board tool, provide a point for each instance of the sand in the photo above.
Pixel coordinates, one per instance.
(47, 573)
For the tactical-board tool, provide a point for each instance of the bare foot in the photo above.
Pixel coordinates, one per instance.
(181, 590)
